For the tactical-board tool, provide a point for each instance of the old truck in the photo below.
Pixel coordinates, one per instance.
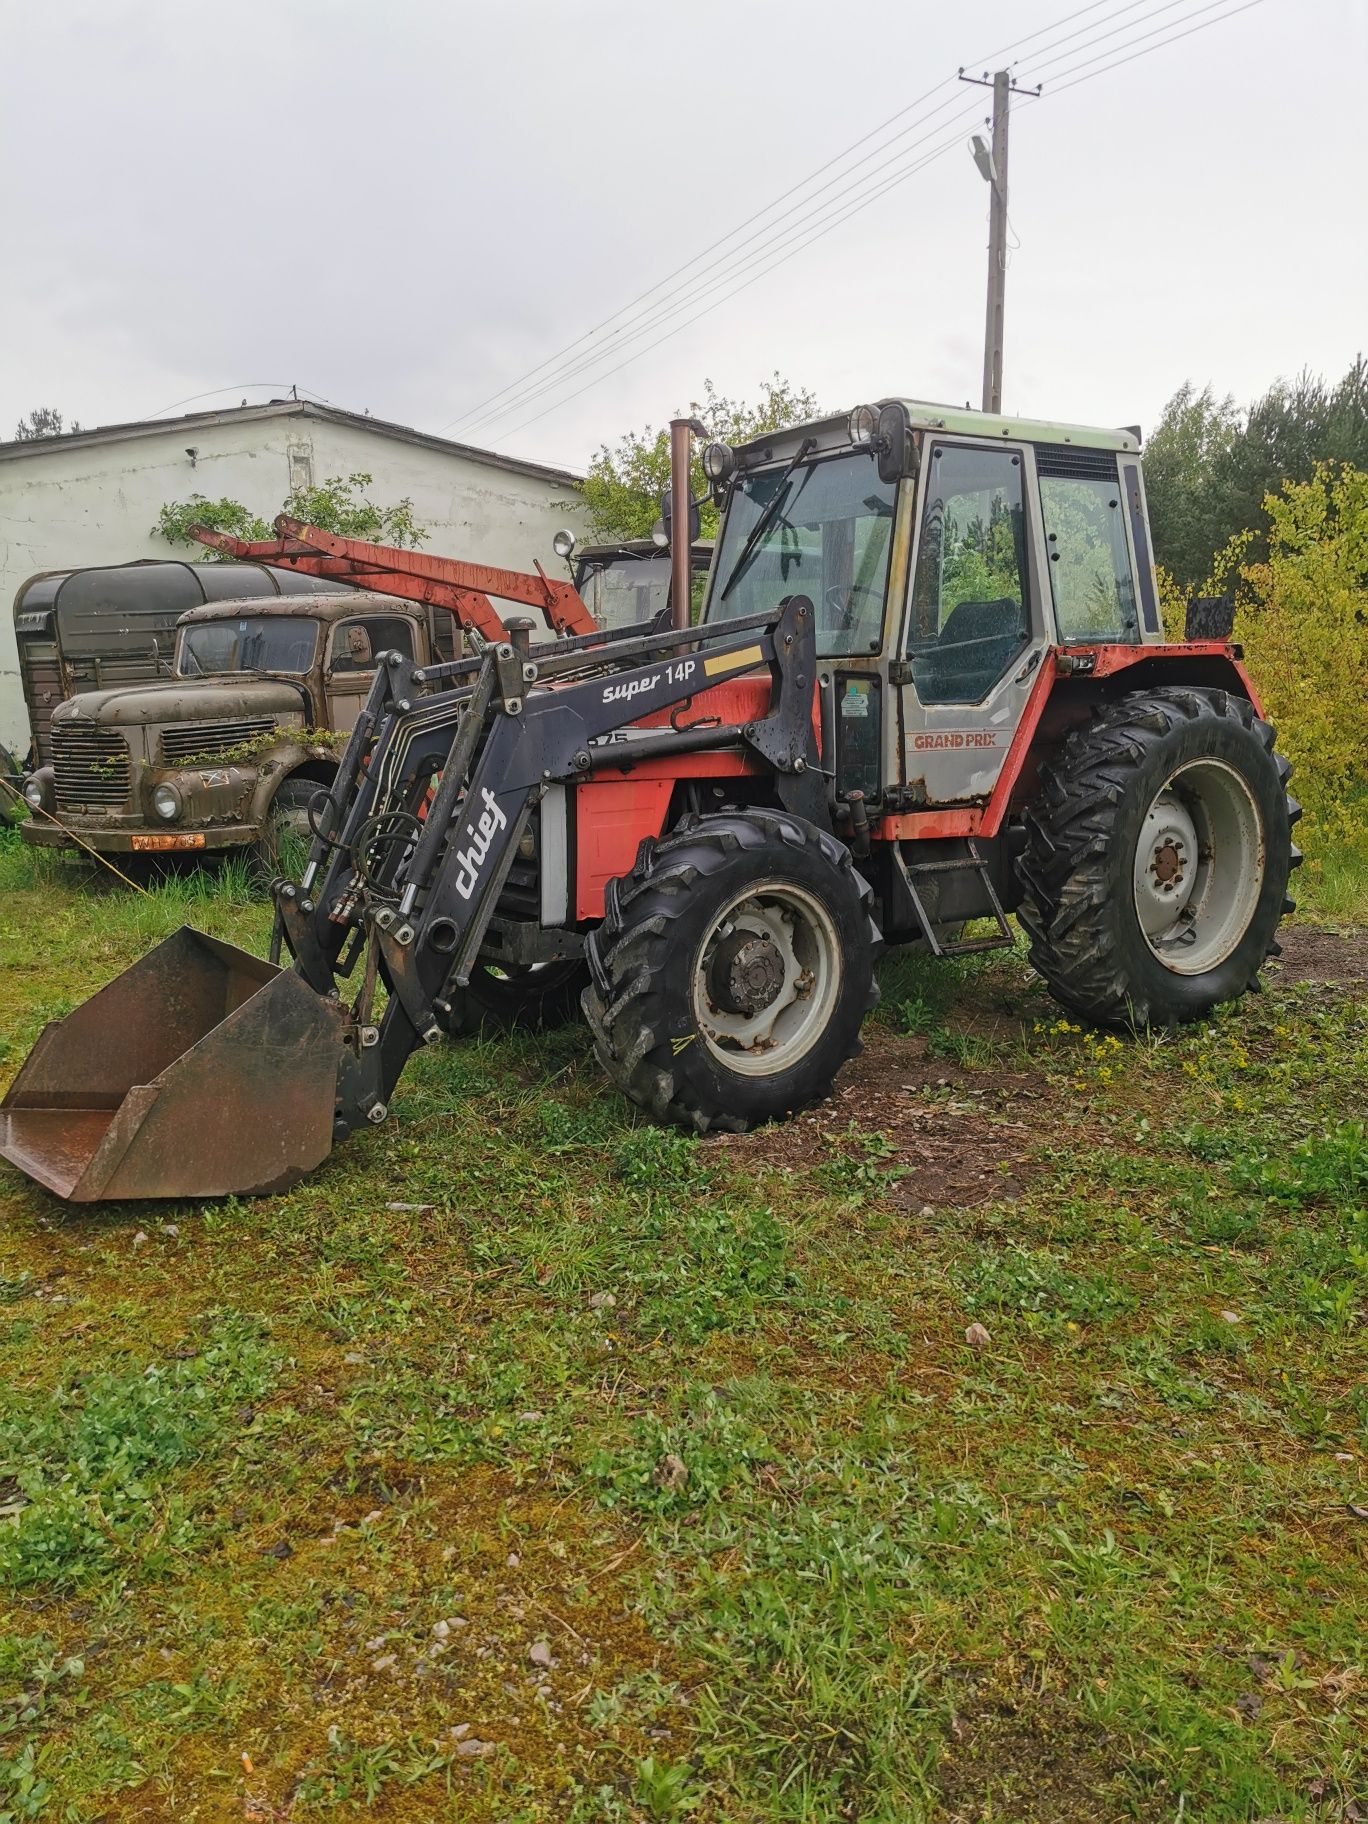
(109, 624)
(227, 751)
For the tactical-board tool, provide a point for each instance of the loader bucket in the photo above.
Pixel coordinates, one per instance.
(198, 1072)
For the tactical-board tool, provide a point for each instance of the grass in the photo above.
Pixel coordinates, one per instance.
(530, 1463)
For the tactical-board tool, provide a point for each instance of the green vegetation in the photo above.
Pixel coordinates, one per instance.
(1209, 466)
(338, 504)
(625, 482)
(528, 1463)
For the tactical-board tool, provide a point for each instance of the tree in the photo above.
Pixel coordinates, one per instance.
(626, 480)
(338, 504)
(42, 421)
(1209, 468)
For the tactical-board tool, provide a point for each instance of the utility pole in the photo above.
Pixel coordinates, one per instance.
(993, 165)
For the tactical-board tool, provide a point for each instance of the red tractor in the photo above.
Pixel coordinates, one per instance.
(930, 686)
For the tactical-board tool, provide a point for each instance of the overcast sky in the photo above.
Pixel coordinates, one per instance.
(404, 207)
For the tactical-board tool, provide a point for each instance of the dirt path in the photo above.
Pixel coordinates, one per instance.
(966, 1134)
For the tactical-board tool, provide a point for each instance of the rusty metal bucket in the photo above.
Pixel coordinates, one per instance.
(198, 1072)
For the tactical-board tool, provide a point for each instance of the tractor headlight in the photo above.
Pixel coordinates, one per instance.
(166, 802)
(563, 544)
(863, 424)
(719, 463)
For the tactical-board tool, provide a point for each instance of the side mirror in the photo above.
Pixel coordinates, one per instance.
(359, 648)
(662, 533)
(898, 454)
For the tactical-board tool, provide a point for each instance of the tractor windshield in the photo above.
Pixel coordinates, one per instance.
(253, 642)
(826, 534)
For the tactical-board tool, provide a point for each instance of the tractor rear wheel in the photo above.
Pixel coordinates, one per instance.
(732, 970)
(1157, 858)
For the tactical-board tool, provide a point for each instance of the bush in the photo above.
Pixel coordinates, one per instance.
(1302, 617)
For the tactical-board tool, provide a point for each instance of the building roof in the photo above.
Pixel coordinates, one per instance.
(281, 408)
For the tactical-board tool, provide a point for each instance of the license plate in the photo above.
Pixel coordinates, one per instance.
(190, 839)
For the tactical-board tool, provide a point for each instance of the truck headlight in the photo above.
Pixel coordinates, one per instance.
(863, 424)
(166, 802)
(38, 790)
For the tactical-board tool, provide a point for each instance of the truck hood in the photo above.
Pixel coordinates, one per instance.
(184, 700)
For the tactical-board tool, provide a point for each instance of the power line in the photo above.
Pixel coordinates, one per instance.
(805, 231)
(722, 240)
(881, 190)
(477, 413)
(1158, 47)
(1042, 70)
(1140, 38)
(737, 262)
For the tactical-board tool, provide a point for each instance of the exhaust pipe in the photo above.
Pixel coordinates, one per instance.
(681, 541)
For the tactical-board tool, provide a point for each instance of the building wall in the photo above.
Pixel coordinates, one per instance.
(63, 506)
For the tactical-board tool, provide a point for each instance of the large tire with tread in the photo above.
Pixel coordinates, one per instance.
(286, 822)
(1158, 852)
(769, 907)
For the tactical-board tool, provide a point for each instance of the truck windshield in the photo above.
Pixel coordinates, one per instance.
(255, 642)
(620, 591)
(828, 537)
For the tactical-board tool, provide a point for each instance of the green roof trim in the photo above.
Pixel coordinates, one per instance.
(964, 423)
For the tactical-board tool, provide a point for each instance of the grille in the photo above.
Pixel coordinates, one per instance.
(190, 739)
(92, 765)
(1067, 463)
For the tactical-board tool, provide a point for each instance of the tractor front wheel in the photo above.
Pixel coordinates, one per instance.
(732, 971)
(1157, 858)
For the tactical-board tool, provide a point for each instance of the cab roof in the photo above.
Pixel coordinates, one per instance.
(831, 434)
(926, 415)
(308, 607)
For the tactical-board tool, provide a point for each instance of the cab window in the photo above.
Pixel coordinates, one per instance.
(357, 645)
(970, 616)
(1087, 551)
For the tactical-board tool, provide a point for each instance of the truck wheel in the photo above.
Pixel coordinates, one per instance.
(732, 970)
(286, 835)
(504, 996)
(1157, 858)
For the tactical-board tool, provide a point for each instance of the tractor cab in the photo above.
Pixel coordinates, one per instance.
(945, 553)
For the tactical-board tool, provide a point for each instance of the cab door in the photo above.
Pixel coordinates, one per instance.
(353, 650)
(975, 627)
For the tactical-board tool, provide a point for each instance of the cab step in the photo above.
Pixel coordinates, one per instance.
(912, 871)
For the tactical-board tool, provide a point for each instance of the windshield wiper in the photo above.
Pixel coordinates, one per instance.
(767, 516)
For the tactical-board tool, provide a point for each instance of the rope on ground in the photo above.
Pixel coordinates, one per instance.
(103, 860)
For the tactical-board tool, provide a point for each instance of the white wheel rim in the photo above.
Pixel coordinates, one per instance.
(1199, 866)
(766, 978)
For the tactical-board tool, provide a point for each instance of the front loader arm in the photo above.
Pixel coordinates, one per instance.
(409, 877)
(418, 576)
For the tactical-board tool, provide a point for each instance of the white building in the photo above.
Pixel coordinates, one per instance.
(92, 497)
